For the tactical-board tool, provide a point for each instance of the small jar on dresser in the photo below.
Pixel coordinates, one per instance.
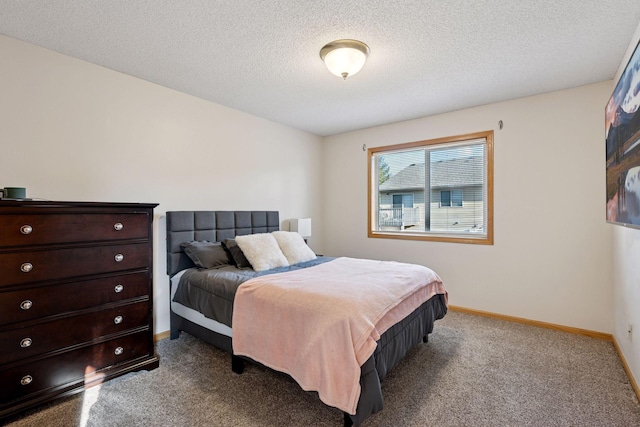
(76, 302)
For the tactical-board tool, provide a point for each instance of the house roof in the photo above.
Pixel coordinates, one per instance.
(455, 173)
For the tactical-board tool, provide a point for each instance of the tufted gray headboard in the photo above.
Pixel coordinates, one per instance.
(214, 226)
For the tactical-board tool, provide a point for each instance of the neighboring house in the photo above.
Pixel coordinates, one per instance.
(455, 203)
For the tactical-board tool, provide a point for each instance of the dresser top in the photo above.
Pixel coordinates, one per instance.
(23, 203)
(21, 207)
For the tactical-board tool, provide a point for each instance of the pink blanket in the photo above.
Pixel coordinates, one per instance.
(320, 324)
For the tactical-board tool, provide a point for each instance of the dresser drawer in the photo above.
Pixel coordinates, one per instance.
(33, 303)
(70, 367)
(35, 266)
(40, 229)
(41, 338)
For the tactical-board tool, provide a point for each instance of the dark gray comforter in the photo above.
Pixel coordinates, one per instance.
(212, 291)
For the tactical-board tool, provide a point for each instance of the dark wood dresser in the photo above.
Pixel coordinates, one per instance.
(76, 300)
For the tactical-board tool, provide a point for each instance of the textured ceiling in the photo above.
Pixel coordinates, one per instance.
(262, 57)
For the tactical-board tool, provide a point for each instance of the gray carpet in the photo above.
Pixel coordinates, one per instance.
(474, 371)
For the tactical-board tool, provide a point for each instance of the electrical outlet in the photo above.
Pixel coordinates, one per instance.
(630, 330)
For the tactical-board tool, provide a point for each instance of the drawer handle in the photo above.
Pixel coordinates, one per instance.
(26, 304)
(26, 380)
(26, 267)
(26, 342)
(118, 257)
(117, 320)
(118, 226)
(119, 351)
(118, 289)
(26, 229)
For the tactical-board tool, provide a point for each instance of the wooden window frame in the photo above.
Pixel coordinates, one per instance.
(372, 179)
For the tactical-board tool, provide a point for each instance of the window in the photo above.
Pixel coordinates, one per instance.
(403, 200)
(450, 198)
(439, 190)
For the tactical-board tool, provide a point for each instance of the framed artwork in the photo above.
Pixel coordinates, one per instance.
(622, 135)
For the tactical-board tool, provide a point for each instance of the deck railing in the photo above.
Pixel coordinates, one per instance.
(398, 217)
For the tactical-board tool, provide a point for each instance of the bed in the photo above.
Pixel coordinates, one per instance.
(213, 325)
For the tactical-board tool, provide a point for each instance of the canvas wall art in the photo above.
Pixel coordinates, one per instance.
(622, 135)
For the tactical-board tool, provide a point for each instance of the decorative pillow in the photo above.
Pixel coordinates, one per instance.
(206, 254)
(236, 254)
(262, 251)
(293, 247)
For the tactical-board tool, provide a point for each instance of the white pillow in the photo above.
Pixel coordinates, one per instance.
(262, 251)
(293, 247)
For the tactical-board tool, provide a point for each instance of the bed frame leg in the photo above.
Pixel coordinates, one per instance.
(237, 364)
(347, 420)
(425, 338)
(174, 326)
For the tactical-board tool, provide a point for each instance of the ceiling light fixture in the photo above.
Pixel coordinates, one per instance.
(345, 57)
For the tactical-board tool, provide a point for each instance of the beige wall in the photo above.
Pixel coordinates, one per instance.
(550, 261)
(70, 130)
(626, 273)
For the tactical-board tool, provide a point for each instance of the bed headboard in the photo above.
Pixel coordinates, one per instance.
(214, 226)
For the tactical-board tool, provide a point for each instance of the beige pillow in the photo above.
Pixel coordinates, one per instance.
(262, 251)
(293, 247)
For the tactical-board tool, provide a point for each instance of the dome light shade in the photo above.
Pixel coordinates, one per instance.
(344, 58)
